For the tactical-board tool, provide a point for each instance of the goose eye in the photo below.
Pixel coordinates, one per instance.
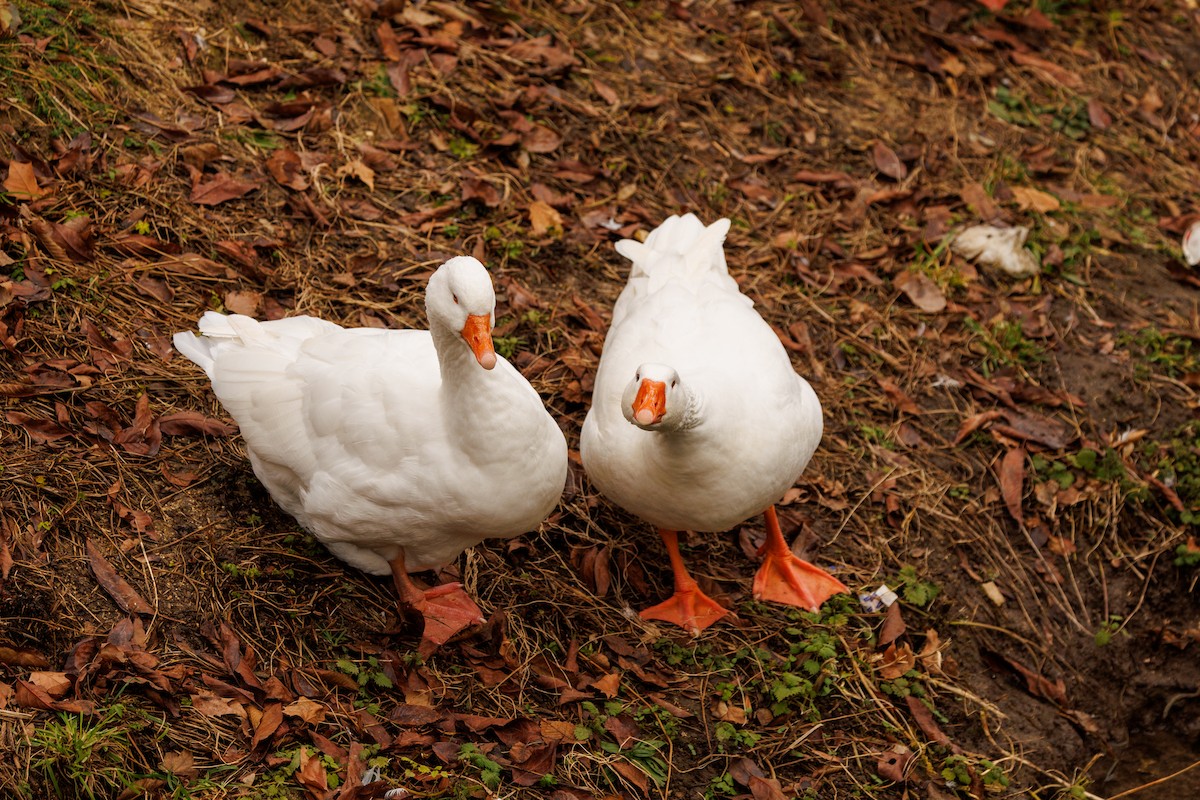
(673, 382)
(454, 297)
(637, 376)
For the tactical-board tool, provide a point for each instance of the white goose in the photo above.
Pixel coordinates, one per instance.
(396, 449)
(698, 420)
(1191, 244)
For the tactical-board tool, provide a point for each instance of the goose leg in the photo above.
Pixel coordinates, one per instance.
(689, 607)
(784, 578)
(446, 608)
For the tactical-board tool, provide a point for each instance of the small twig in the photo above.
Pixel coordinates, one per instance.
(6, 714)
(1155, 782)
(973, 624)
(1060, 782)
(1175, 698)
(867, 494)
(950, 688)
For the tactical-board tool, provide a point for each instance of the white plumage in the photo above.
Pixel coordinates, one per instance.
(734, 426)
(740, 424)
(384, 443)
(1191, 244)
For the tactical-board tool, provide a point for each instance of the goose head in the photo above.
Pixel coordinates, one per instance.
(460, 298)
(655, 399)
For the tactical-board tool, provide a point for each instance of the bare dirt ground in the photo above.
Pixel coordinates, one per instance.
(1019, 459)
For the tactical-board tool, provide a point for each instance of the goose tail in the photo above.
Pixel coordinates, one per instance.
(680, 245)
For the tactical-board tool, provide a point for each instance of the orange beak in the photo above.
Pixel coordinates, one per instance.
(478, 334)
(651, 402)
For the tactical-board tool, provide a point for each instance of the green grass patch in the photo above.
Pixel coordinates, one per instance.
(65, 85)
(1004, 344)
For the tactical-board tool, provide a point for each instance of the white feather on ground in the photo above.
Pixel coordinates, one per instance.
(1003, 248)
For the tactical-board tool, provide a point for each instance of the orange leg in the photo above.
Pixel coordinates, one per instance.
(784, 578)
(689, 608)
(446, 608)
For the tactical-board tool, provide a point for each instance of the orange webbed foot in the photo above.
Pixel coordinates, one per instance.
(690, 609)
(795, 582)
(785, 578)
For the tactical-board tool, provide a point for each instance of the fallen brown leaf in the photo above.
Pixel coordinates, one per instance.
(544, 219)
(593, 566)
(286, 168)
(210, 705)
(605, 91)
(40, 430)
(887, 162)
(743, 769)
(763, 788)
(897, 660)
(1030, 199)
(555, 730)
(1055, 72)
(311, 774)
(1032, 426)
(899, 399)
(609, 685)
(623, 729)
(193, 423)
(842, 179)
(1060, 546)
(632, 774)
(729, 712)
(974, 423)
(112, 583)
(921, 290)
(357, 169)
(481, 190)
(157, 288)
(931, 654)
(540, 140)
(272, 718)
(21, 182)
(544, 52)
(306, 709)
(71, 239)
(55, 684)
(181, 763)
(1036, 683)
(29, 695)
(893, 764)
(389, 45)
(927, 723)
(893, 625)
(974, 195)
(1011, 476)
(22, 657)
(476, 723)
(217, 95)
(1098, 115)
(247, 303)
(220, 188)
